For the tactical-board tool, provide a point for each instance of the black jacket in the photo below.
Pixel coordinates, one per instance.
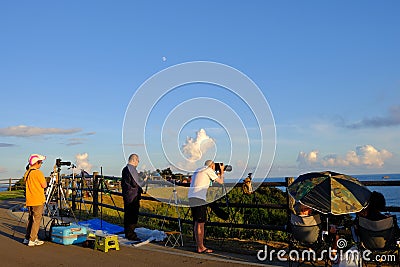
(130, 188)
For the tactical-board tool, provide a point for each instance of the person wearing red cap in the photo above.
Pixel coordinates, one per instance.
(35, 182)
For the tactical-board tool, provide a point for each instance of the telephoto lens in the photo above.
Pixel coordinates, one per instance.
(60, 163)
(227, 168)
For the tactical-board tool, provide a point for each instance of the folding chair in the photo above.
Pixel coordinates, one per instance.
(381, 238)
(305, 239)
(174, 239)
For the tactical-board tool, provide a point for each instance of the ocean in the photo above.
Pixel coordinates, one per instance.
(391, 193)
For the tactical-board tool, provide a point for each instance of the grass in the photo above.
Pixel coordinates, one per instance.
(12, 194)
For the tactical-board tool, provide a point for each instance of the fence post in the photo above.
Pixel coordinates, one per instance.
(9, 185)
(95, 194)
(290, 199)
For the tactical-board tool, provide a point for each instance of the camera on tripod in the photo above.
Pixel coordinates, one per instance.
(227, 168)
(60, 163)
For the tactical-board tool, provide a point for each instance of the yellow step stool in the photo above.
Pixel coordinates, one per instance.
(105, 242)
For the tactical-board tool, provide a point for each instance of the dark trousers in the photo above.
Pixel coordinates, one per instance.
(131, 218)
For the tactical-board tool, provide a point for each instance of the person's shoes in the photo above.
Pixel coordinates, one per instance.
(130, 233)
(205, 251)
(26, 241)
(37, 242)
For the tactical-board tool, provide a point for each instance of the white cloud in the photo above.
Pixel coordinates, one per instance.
(27, 131)
(363, 156)
(307, 158)
(193, 149)
(82, 162)
(370, 156)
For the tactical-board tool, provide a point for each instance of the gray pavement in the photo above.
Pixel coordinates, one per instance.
(14, 253)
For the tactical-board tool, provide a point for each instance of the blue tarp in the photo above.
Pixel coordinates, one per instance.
(97, 224)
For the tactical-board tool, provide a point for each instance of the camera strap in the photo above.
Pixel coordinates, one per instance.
(27, 176)
(25, 180)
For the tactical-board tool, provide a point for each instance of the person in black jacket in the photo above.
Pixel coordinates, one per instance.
(131, 191)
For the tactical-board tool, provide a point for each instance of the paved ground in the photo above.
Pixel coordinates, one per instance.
(14, 253)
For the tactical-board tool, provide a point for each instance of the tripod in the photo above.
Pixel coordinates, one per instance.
(51, 209)
(56, 202)
(103, 185)
(174, 238)
(80, 194)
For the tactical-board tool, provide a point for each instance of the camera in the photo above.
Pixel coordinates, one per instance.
(60, 163)
(227, 168)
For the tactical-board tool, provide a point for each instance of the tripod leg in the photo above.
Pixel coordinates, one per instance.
(82, 198)
(112, 199)
(19, 222)
(50, 194)
(62, 197)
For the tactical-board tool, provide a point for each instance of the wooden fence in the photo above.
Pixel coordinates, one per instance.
(8, 184)
(98, 182)
(97, 188)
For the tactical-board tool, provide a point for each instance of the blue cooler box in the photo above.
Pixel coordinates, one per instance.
(67, 235)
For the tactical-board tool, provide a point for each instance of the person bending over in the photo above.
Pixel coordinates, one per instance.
(199, 185)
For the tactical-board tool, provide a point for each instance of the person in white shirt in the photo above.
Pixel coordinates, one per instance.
(201, 180)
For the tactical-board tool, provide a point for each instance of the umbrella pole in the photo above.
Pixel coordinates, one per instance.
(327, 223)
(326, 232)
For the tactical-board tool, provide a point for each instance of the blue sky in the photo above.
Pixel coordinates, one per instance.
(330, 71)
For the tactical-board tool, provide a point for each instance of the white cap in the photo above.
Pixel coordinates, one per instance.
(35, 158)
